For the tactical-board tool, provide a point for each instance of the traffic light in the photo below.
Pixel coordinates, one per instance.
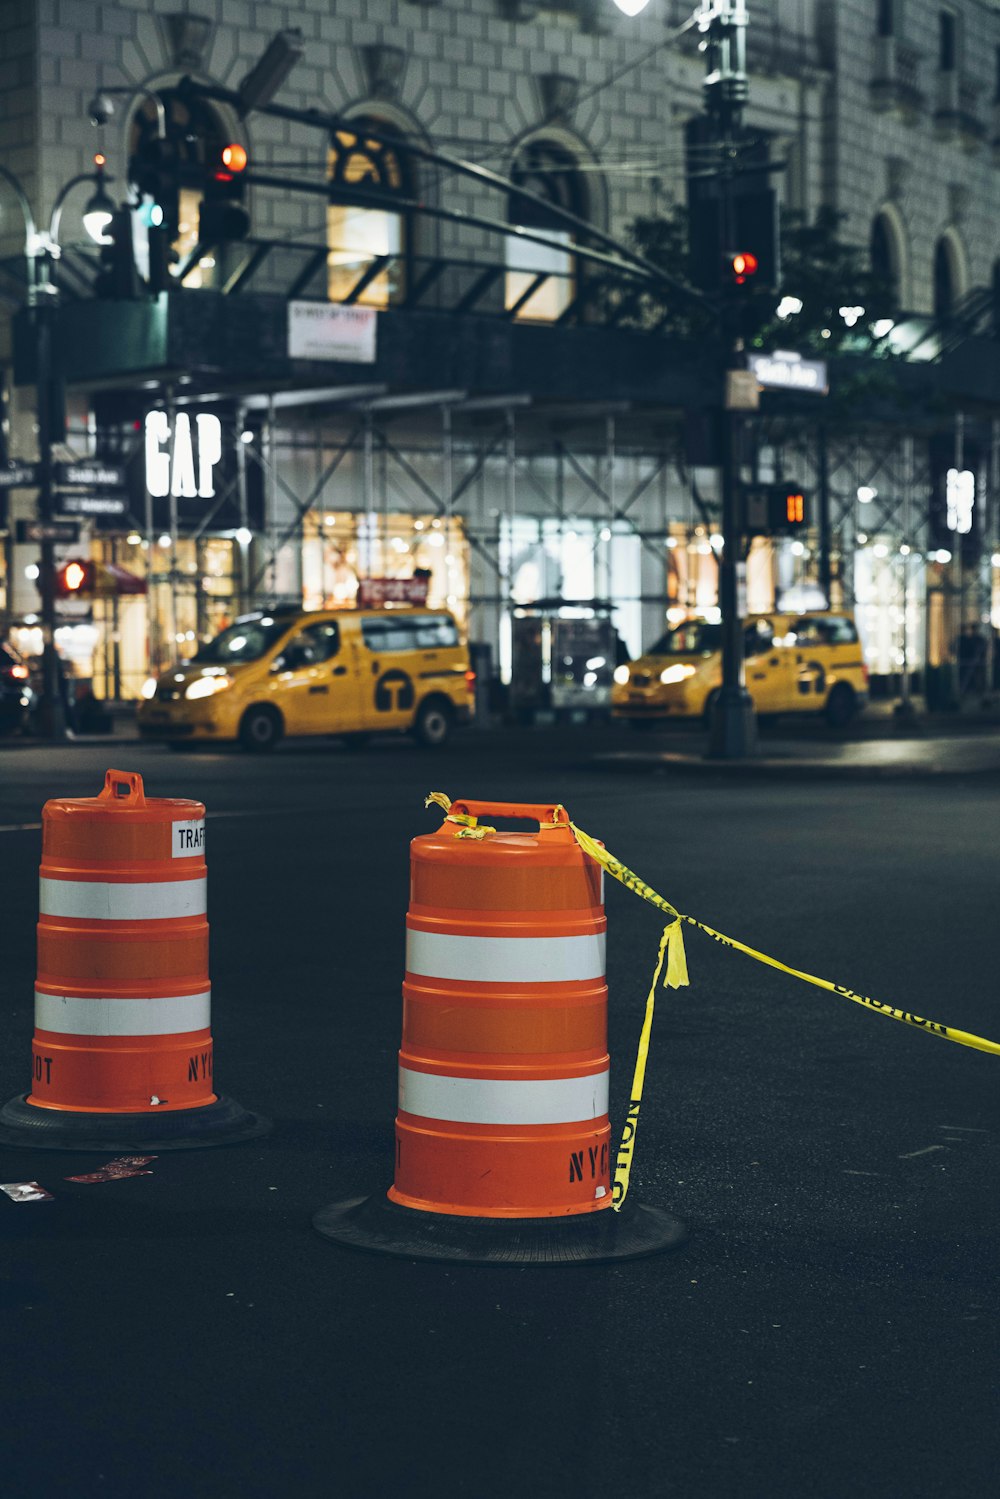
(742, 267)
(153, 173)
(774, 509)
(720, 234)
(118, 276)
(75, 578)
(223, 213)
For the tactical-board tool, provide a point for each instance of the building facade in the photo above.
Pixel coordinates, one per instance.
(477, 414)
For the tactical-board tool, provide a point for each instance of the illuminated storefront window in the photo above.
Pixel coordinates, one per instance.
(881, 611)
(340, 547)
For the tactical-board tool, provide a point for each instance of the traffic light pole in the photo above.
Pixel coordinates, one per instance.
(52, 713)
(733, 722)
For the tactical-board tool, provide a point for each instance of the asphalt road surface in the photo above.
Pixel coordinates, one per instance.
(828, 1330)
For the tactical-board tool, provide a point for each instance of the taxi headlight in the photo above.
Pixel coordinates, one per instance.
(621, 675)
(206, 686)
(676, 673)
(148, 687)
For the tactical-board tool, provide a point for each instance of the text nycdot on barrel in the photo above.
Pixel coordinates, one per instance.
(503, 1068)
(122, 994)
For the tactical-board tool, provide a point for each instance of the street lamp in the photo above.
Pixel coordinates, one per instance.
(40, 251)
(99, 212)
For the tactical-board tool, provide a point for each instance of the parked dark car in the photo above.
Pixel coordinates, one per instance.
(15, 690)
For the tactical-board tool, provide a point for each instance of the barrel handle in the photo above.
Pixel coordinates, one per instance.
(548, 815)
(133, 796)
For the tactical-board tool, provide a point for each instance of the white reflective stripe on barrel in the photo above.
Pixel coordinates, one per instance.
(505, 960)
(93, 900)
(70, 1015)
(491, 1100)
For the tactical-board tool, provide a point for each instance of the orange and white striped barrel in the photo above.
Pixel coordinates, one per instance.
(122, 996)
(503, 1069)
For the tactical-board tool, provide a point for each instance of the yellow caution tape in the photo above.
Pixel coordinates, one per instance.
(677, 976)
(672, 951)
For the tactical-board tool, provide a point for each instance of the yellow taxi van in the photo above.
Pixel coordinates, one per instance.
(287, 672)
(795, 663)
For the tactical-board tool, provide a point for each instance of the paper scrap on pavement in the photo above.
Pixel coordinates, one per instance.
(26, 1192)
(117, 1170)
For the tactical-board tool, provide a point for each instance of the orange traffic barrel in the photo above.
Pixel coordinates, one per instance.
(503, 1144)
(122, 1051)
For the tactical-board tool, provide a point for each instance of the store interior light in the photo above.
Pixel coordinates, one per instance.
(631, 7)
(866, 494)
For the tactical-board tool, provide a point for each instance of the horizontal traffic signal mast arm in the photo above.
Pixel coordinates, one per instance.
(453, 215)
(329, 123)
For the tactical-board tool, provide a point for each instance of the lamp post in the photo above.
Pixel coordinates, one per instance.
(40, 251)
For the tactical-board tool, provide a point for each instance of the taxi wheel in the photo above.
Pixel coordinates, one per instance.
(433, 723)
(260, 730)
(709, 709)
(841, 706)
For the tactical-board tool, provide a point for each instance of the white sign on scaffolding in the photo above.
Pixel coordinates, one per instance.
(326, 330)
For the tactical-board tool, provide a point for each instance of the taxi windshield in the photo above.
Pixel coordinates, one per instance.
(692, 638)
(246, 640)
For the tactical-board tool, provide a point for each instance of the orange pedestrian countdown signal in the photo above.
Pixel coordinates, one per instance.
(795, 508)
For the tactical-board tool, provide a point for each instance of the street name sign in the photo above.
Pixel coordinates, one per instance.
(93, 504)
(784, 370)
(47, 530)
(19, 476)
(90, 473)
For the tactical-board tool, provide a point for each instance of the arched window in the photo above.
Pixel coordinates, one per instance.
(886, 252)
(541, 279)
(366, 234)
(945, 279)
(172, 172)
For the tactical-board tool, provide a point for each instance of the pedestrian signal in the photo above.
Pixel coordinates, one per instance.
(74, 578)
(774, 509)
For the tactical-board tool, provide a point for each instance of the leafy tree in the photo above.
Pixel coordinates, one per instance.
(818, 269)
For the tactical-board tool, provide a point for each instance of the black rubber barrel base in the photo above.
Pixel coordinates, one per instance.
(376, 1224)
(224, 1122)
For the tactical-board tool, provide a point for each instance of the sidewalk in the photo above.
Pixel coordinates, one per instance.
(880, 744)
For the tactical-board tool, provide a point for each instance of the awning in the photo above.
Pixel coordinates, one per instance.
(112, 581)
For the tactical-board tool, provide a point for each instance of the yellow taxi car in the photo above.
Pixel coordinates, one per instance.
(347, 672)
(795, 663)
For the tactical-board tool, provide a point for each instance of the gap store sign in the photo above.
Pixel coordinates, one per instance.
(185, 467)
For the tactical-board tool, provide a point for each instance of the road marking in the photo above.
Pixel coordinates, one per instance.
(19, 827)
(925, 1151)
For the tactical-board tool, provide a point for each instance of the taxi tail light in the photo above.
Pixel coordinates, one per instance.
(470, 682)
(864, 672)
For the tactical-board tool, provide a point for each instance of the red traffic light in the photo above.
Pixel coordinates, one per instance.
(74, 577)
(231, 161)
(743, 265)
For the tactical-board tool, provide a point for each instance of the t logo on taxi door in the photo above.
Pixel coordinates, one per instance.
(393, 692)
